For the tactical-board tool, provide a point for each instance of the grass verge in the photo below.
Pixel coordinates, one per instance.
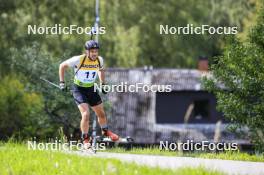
(17, 159)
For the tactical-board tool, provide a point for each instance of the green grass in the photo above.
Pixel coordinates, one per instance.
(228, 155)
(17, 159)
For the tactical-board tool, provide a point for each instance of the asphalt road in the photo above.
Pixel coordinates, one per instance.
(226, 166)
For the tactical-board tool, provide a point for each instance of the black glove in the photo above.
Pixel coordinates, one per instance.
(103, 86)
(62, 86)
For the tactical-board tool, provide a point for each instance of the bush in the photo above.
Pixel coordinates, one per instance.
(241, 71)
(19, 112)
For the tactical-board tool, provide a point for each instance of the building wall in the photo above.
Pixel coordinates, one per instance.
(134, 114)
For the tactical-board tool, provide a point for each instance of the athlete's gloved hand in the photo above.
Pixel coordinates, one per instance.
(62, 86)
(103, 88)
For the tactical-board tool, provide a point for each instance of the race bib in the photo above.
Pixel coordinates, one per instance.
(86, 76)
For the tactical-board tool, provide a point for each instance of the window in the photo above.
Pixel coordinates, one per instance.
(186, 107)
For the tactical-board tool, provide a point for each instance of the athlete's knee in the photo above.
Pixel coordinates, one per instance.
(85, 115)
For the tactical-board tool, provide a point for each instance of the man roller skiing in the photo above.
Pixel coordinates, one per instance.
(86, 68)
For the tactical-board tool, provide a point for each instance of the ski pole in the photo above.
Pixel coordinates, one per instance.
(53, 84)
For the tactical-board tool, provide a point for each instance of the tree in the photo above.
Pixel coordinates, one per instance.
(240, 69)
(20, 110)
(132, 39)
(134, 23)
(126, 47)
(57, 106)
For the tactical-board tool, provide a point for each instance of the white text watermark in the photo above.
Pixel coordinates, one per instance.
(137, 87)
(190, 145)
(57, 145)
(190, 29)
(59, 29)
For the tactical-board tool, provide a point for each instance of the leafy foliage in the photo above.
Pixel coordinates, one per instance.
(132, 39)
(19, 109)
(132, 28)
(241, 71)
(59, 106)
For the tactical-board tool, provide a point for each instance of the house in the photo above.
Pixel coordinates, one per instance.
(186, 113)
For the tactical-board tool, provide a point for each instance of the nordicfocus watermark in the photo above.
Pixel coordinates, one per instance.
(137, 87)
(59, 29)
(190, 29)
(58, 145)
(190, 145)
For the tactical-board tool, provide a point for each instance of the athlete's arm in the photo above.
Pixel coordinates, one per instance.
(62, 68)
(101, 72)
(101, 75)
(72, 62)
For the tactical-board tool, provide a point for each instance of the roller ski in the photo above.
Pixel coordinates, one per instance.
(109, 136)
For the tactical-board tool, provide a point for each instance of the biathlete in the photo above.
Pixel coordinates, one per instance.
(86, 68)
